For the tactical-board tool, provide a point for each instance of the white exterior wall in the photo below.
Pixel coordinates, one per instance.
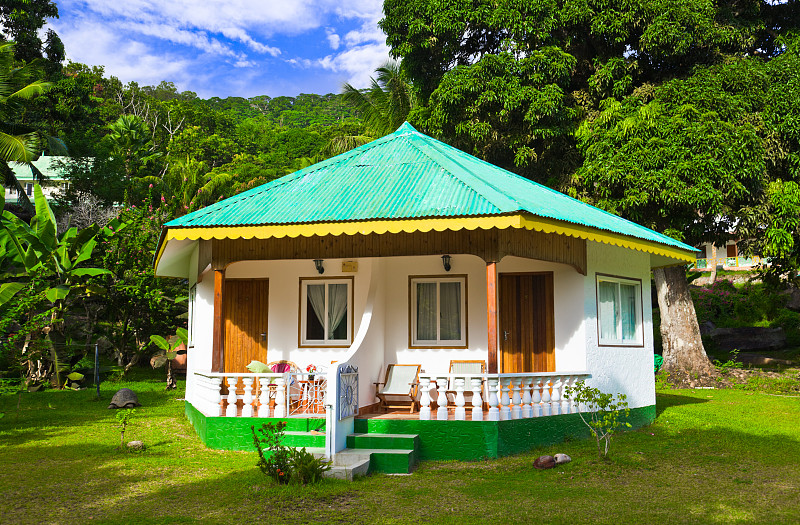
(627, 370)
(381, 317)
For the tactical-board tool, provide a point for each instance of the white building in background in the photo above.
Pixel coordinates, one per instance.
(53, 184)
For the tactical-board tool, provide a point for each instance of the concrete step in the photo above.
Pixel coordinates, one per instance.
(375, 440)
(298, 439)
(389, 461)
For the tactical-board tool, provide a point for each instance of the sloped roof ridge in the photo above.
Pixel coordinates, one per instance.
(464, 176)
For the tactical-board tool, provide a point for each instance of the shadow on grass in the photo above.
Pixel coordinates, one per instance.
(665, 401)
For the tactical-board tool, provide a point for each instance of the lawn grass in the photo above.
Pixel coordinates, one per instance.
(712, 456)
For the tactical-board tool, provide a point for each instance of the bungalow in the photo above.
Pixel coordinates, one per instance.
(406, 251)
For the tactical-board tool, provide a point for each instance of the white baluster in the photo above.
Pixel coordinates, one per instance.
(477, 400)
(516, 399)
(216, 396)
(460, 412)
(536, 398)
(232, 383)
(280, 396)
(441, 401)
(566, 402)
(263, 398)
(505, 401)
(494, 386)
(527, 409)
(247, 408)
(555, 398)
(424, 398)
(545, 396)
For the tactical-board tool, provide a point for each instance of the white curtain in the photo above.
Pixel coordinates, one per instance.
(316, 296)
(628, 311)
(450, 311)
(337, 307)
(609, 299)
(426, 311)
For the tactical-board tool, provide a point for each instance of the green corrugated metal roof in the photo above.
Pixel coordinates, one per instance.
(48, 165)
(404, 175)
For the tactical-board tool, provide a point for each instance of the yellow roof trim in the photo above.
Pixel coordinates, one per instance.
(526, 221)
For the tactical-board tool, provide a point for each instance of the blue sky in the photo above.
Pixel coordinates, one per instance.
(228, 48)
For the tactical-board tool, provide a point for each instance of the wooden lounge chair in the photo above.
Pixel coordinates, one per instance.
(399, 387)
(466, 367)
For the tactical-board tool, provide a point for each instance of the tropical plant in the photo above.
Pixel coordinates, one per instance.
(18, 143)
(605, 414)
(385, 105)
(170, 348)
(52, 269)
(122, 419)
(273, 456)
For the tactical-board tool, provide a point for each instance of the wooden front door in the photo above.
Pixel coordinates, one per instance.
(527, 325)
(245, 307)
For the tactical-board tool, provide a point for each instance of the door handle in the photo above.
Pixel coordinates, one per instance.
(505, 335)
(263, 336)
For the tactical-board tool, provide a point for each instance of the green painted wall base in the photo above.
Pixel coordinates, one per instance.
(233, 433)
(438, 440)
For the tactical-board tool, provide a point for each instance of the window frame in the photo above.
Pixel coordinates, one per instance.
(413, 342)
(639, 339)
(302, 342)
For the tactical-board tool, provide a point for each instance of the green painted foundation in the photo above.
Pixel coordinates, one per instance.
(233, 433)
(437, 440)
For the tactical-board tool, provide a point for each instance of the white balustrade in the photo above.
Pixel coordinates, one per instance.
(280, 397)
(536, 397)
(477, 400)
(425, 386)
(555, 398)
(566, 402)
(232, 383)
(494, 387)
(441, 401)
(263, 398)
(460, 412)
(516, 399)
(546, 396)
(527, 409)
(505, 401)
(247, 399)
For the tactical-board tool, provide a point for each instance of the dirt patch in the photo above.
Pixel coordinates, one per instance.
(736, 378)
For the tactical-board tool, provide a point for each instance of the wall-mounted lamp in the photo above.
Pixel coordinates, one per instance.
(318, 265)
(446, 262)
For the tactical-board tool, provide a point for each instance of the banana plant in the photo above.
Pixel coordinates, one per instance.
(170, 348)
(57, 264)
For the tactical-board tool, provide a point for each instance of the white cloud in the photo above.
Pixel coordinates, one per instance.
(334, 40)
(359, 63)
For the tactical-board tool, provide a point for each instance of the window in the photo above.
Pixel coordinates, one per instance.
(326, 312)
(438, 311)
(29, 189)
(619, 311)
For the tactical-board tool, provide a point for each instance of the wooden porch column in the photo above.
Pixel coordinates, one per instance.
(216, 342)
(491, 313)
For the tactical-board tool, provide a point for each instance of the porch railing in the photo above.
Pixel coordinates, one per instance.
(260, 395)
(508, 396)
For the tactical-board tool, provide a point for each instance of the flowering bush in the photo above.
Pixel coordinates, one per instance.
(311, 369)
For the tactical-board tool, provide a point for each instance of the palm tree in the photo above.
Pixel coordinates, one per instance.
(385, 105)
(18, 143)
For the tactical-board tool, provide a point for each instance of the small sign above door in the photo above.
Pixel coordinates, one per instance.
(349, 266)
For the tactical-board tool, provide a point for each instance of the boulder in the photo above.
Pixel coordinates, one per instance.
(749, 338)
(562, 459)
(792, 299)
(544, 462)
(136, 445)
(707, 328)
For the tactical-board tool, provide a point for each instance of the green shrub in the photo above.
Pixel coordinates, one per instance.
(306, 468)
(790, 322)
(284, 464)
(771, 385)
(605, 414)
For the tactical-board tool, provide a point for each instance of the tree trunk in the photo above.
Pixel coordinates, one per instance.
(171, 383)
(683, 348)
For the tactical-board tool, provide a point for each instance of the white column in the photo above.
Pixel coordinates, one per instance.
(217, 396)
(231, 410)
(280, 396)
(441, 387)
(545, 396)
(494, 386)
(425, 398)
(263, 398)
(477, 400)
(536, 397)
(247, 408)
(460, 412)
(505, 409)
(527, 409)
(516, 399)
